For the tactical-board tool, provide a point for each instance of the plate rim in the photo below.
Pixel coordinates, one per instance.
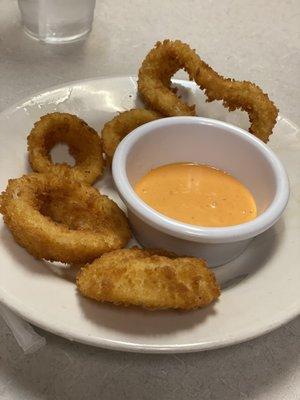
(24, 312)
(26, 98)
(146, 348)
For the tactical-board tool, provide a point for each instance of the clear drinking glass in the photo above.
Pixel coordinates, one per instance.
(57, 21)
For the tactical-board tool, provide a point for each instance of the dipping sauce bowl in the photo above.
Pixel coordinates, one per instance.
(202, 141)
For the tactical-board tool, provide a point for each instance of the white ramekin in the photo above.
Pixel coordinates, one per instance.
(205, 141)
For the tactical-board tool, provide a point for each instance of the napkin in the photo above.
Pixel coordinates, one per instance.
(25, 335)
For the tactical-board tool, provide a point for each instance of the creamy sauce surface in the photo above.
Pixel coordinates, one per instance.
(197, 194)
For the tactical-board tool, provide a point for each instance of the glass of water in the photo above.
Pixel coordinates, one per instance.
(57, 21)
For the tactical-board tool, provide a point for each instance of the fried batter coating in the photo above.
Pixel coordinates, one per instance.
(116, 129)
(154, 85)
(83, 141)
(60, 219)
(149, 278)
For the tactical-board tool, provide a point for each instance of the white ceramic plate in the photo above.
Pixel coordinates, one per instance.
(260, 289)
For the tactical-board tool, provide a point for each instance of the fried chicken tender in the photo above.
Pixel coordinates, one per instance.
(154, 85)
(83, 141)
(152, 279)
(60, 219)
(122, 124)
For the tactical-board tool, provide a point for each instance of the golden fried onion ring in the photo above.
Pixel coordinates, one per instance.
(122, 124)
(150, 279)
(154, 85)
(60, 219)
(83, 141)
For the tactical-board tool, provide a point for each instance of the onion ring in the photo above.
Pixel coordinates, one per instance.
(122, 124)
(154, 85)
(60, 219)
(150, 279)
(83, 141)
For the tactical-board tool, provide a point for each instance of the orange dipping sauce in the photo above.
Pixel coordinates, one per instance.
(197, 194)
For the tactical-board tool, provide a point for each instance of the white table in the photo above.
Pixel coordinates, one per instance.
(254, 40)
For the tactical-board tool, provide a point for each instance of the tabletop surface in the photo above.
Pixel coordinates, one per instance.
(253, 40)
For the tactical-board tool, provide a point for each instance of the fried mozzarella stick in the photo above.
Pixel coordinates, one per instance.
(149, 279)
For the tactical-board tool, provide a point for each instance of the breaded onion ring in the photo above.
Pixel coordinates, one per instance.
(61, 219)
(122, 124)
(83, 141)
(149, 279)
(154, 85)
